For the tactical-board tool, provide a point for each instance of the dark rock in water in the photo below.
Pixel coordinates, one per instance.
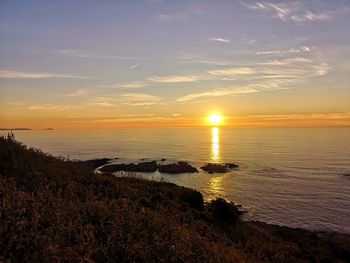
(177, 168)
(95, 163)
(232, 165)
(219, 168)
(147, 167)
(347, 175)
(163, 159)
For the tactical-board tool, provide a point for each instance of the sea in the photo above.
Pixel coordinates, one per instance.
(296, 177)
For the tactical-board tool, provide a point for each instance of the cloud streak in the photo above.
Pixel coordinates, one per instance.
(232, 71)
(217, 93)
(280, 52)
(134, 66)
(77, 93)
(175, 79)
(49, 107)
(9, 74)
(289, 11)
(219, 39)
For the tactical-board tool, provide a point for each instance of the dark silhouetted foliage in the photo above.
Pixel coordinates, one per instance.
(225, 212)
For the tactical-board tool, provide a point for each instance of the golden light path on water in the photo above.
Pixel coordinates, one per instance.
(215, 146)
(215, 182)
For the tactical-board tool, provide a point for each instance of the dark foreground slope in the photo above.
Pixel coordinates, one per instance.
(58, 211)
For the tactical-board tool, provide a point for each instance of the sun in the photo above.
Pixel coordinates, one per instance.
(215, 119)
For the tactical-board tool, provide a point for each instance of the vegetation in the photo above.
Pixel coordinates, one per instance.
(52, 210)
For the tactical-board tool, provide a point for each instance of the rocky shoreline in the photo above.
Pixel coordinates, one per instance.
(104, 166)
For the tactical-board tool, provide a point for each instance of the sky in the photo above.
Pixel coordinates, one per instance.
(163, 63)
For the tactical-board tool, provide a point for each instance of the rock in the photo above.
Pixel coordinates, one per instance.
(176, 168)
(218, 168)
(147, 167)
(163, 159)
(232, 165)
(95, 163)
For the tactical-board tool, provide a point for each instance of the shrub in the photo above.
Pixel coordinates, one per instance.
(225, 212)
(193, 198)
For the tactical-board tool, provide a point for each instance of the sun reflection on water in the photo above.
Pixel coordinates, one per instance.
(215, 146)
(216, 185)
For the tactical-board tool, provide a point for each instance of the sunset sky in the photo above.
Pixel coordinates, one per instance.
(150, 63)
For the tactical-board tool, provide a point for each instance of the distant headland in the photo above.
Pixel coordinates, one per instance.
(15, 129)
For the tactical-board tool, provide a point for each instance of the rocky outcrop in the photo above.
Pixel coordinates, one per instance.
(219, 168)
(147, 167)
(176, 168)
(95, 163)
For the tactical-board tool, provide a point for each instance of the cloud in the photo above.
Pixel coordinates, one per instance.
(280, 52)
(139, 99)
(130, 99)
(135, 65)
(175, 79)
(287, 61)
(82, 54)
(15, 103)
(232, 71)
(290, 11)
(104, 104)
(217, 93)
(219, 39)
(104, 101)
(77, 93)
(8, 74)
(49, 107)
(180, 15)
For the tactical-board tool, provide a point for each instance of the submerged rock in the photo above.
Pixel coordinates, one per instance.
(176, 168)
(147, 167)
(219, 168)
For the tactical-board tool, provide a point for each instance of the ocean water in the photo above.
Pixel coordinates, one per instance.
(287, 176)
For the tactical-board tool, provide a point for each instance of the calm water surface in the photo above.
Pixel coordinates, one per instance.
(287, 176)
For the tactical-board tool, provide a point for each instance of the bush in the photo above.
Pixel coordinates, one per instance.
(193, 198)
(225, 212)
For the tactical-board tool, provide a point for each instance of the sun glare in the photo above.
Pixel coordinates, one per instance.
(215, 119)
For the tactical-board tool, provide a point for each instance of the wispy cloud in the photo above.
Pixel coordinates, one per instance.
(9, 74)
(232, 71)
(104, 104)
(77, 93)
(135, 65)
(49, 107)
(280, 52)
(132, 85)
(180, 15)
(130, 99)
(15, 103)
(139, 99)
(289, 10)
(287, 61)
(217, 93)
(175, 79)
(219, 39)
(83, 54)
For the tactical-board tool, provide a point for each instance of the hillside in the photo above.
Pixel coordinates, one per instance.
(54, 210)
